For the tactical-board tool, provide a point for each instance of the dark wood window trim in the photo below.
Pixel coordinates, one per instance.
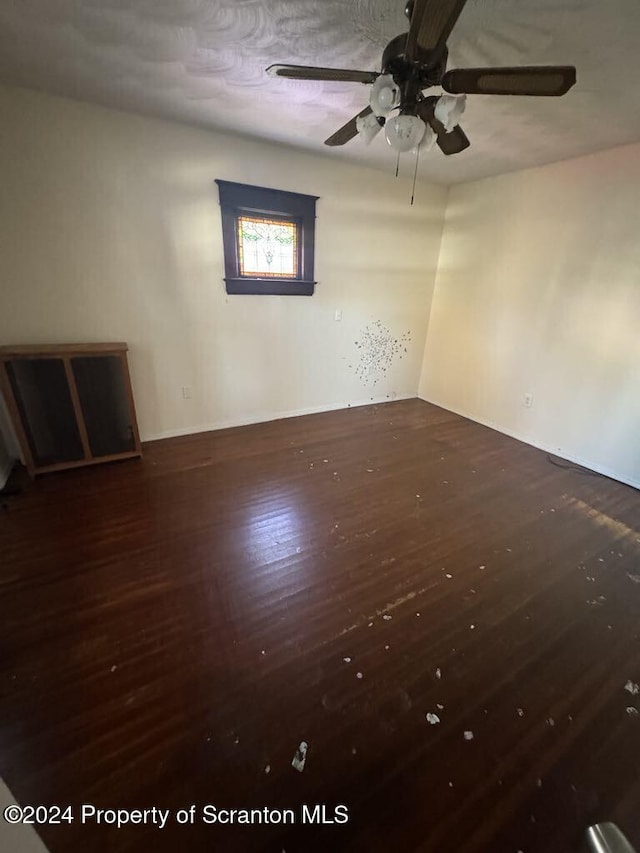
(242, 199)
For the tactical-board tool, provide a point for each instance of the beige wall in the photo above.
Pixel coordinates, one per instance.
(110, 230)
(538, 291)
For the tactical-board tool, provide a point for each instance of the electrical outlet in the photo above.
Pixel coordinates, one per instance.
(338, 315)
(186, 392)
(528, 400)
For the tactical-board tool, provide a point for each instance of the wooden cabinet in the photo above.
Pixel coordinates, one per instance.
(70, 405)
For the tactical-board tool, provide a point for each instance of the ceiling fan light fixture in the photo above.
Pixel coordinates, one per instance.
(405, 132)
(385, 95)
(449, 109)
(369, 126)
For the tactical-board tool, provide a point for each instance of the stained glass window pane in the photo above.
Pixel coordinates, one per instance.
(267, 247)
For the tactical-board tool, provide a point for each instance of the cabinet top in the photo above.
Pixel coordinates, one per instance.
(39, 350)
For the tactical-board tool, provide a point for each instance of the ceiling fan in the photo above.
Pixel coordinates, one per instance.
(416, 61)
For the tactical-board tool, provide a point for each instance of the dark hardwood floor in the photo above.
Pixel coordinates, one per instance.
(172, 627)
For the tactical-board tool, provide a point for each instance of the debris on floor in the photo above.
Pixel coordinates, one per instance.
(632, 687)
(434, 719)
(468, 735)
(113, 668)
(267, 769)
(387, 617)
(438, 673)
(631, 711)
(551, 721)
(300, 757)
(359, 675)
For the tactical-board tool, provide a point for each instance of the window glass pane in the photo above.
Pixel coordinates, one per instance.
(267, 247)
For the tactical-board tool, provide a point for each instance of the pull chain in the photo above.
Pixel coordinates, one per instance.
(415, 174)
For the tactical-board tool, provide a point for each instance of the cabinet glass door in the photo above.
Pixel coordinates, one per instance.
(42, 395)
(104, 401)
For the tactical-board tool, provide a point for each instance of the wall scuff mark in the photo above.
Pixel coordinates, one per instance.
(378, 349)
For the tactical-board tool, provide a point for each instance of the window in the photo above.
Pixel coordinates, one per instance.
(268, 240)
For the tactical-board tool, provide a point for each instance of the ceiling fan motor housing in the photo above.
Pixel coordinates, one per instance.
(412, 77)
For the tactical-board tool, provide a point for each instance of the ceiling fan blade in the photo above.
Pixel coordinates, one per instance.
(348, 130)
(309, 72)
(549, 80)
(449, 143)
(430, 26)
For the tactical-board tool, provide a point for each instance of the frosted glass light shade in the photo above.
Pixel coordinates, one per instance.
(368, 127)
(404, 132)
(449, 109)
(385, 95)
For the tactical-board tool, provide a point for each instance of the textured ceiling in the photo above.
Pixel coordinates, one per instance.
(203, 61)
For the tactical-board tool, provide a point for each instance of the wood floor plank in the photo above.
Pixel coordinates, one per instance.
(175, 625)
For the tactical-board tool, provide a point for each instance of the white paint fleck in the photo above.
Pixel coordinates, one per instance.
(539, 783)
(370, 624)
(347, 660)
(387, 648)
(353, 751)
(471, 627)
(448, 576)
(417, 614)
(236, 739)
(325, 460)
(451, 784)
(387, 617)
(267, 769)
(551, 721)
(359, 675)
(113, 668)
(438, 673)
(468, 735)
(369, 470)
(300, 757)
(631, 711)
(434, 719)
(632, 687)
(482, 567)
(520, 712)
(634, 578)
(439, 706)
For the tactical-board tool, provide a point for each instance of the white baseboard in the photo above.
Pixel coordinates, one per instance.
(264, 417)
(561, 453)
